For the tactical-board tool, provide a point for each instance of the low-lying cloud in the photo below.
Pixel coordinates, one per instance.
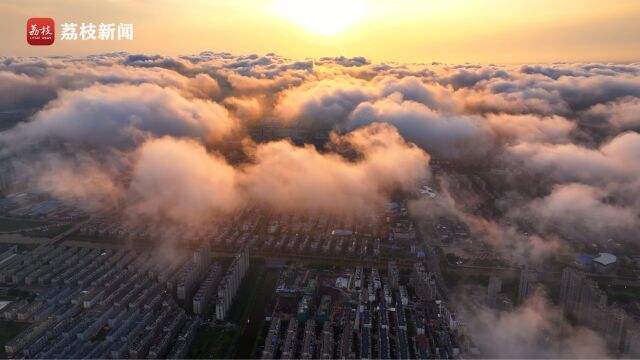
(543, 134)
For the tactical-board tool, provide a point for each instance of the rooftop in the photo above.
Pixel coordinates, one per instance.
(605, 259)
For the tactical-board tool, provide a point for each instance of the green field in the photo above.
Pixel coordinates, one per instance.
(622, 294)
(262, 296)
(217, 343)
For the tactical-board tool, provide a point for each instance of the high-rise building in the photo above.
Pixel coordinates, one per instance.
(586, 303)
(207, 289)
(193, 271)
(495, 285)
(578, 295)
(570, 290)
(231, 282)
(527, 284)
(632, 341)
(615, 331)
(394, 275)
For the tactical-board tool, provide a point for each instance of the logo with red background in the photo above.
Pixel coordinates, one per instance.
(41, 31)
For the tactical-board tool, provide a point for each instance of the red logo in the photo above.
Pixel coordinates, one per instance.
(41, 31)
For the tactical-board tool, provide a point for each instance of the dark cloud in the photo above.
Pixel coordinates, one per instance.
(345, 61)
(141, 60)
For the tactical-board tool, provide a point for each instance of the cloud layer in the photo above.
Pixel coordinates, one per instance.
(556, 142)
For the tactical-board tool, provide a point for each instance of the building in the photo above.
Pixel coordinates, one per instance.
(304, 308)
(291, 340)
(404, 296)
(615, 330)
(365, 343)
(326, 351)
(357, 279)
(207, 289)
(309, 341)
(7, 252)
(272, 342)
(192, 272)
(387, 293)
(605, 263)
(394, 275)
(632, 341)
(425, 282)
(583, 301)
(375, 279)
(527, 284)
(494, 288)
(570, 287)
(231, 282)
(324, 310)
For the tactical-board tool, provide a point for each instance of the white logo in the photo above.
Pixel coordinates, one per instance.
(89, 31)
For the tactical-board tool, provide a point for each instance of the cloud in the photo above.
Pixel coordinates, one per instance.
(465, 78)
(580, 210)
(301, 178)
(345, 61)
(503, 236)
(177, 185)
(537, 128)
(78, 179)
(246, 108)
(178, 182)
(531, 128)
(593, 195)
(123, 115)
(21, 92)
(623, 114)
(450, 136)
(165, 62)
(534, 330)
(616, 160)
(323, 103)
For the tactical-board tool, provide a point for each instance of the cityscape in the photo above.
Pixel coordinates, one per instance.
(354, 179)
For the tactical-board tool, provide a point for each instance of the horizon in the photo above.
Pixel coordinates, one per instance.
(329, 56)
(403, 31)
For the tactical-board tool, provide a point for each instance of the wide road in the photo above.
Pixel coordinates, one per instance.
(283, 257)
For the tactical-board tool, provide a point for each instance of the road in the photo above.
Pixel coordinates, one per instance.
(433, 265)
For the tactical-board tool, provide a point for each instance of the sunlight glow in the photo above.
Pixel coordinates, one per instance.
(328, 17)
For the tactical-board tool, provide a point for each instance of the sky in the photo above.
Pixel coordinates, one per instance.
(453, 31)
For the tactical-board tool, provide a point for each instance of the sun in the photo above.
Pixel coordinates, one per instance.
(323, 17)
